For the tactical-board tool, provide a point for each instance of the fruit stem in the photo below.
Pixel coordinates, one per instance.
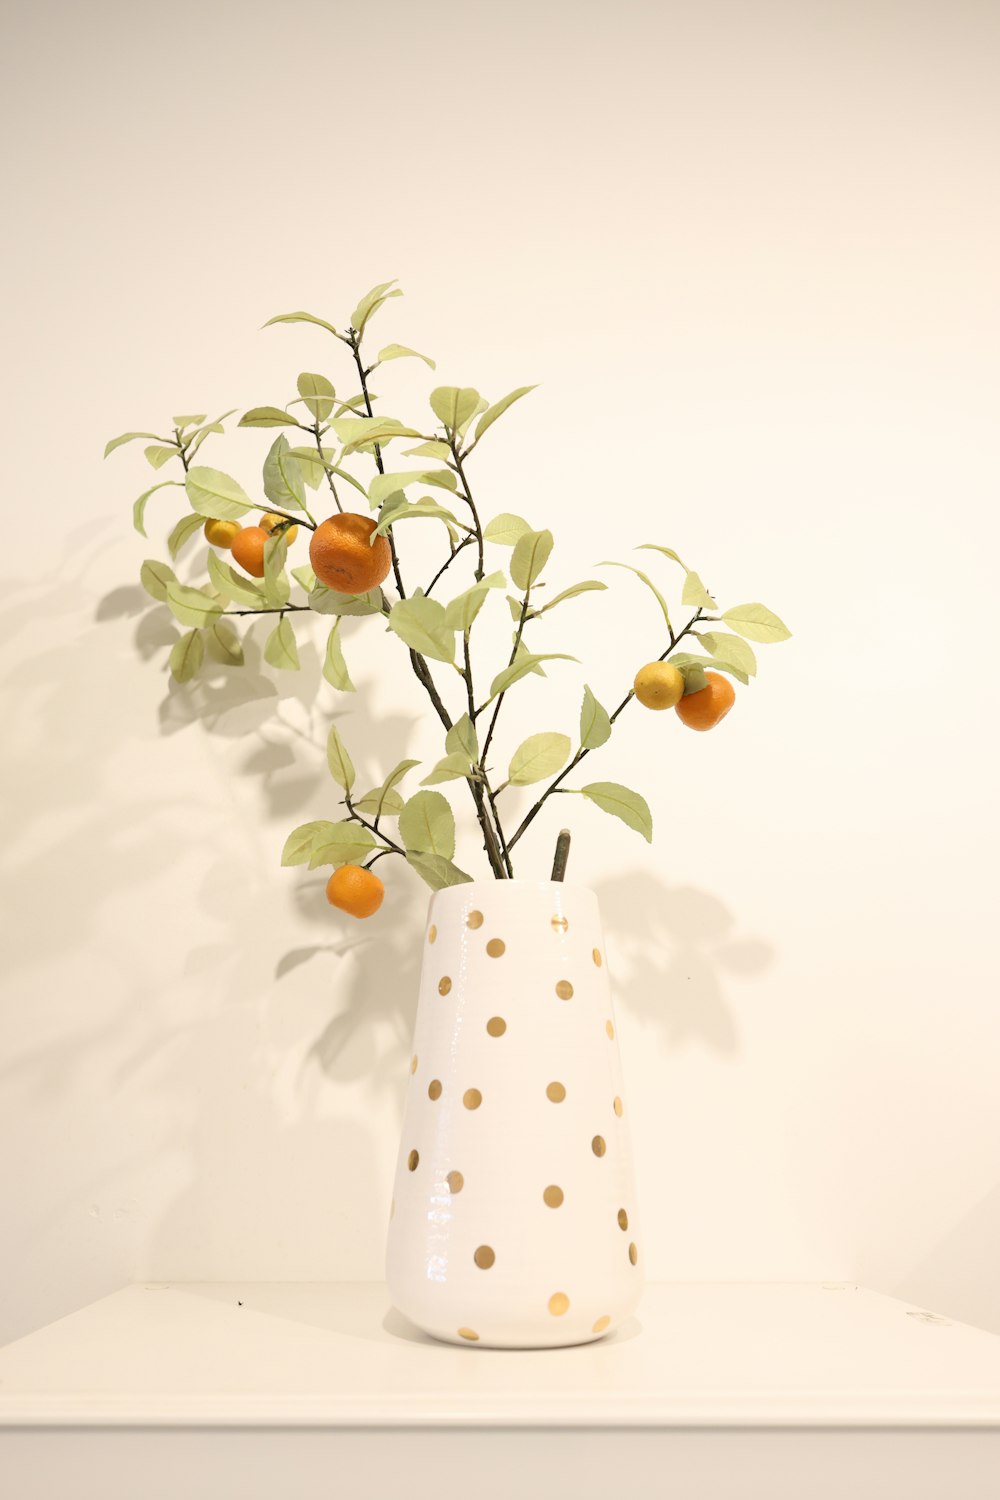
(562, 854)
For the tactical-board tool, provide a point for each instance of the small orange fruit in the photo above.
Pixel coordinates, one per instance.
(271, 520)
(659, 684)
(704, 709)
(355, 890)
(221, 533)
(344, 557)
(248, 549)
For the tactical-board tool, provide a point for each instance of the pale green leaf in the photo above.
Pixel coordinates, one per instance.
(461, 611)
(156, 578)
(731, 649)
(283, 483)
(595, 724)
(130, 437)
(301, 317)
(531, 553)
(186, 656)
(403, 510)
(506, 529)
(385, 796)
(462, 737)
(268, 416)
(571, 593)
(191, 606)
(305, 577)
(450, 768)
(216, 495)
(665, 551)
(344, 844)
(427, 824)
(334, 666)
(693, 669)
(437, 871)
(420, 623)
(695, 593)
(454, 405)
(537, 757)
(280, 649)
(317, 393)
(232, 585)
(384, 485)
(621, 803)
(519, 668)
(182, 422)
(359, 432)
(139, 508)
(277, 589)
(649, 584)
(434, 448)
(301, 841)
(756, 623)
(159, 454)
(183, 531)
(223, 644)
(331, 602)
(498, 408)
(387, 805)
(340, 763)
(313, 465)
(480, 407)
(349, 478)
(371, 302)
(522, 649)
(400, 351)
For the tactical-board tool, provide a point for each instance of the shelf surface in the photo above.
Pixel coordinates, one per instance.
(337, 1356)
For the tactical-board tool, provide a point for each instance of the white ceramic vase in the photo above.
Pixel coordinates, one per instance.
(514, 1220)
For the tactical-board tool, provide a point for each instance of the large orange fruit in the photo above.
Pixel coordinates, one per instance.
(248, 549)
(704, 709)
(344, 557)
(355, 890)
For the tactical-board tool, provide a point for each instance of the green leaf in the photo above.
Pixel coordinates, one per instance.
(649, 584)
(400, 351)
(537, 757)
(454, 405)
(427, 824)
(334, 666)
(305, 577)
(518, 669)
(330, 602)
(346, 475)
(621, 803)
(462, 737)
(223, 644)
(506, 529)
(450, 768)
(388, 806)
(437, 871)
(301, 317)
(277, 589)
(731, 649)
(280, 649)
(756, 623)
(186, 656)
(156, 578)
(317, 393)
(404, 510)
(461, 611)
(371, 302)
(313, 467)
(185, 528)
(232, 585)
(385, 796)
(160, 454)
(420, 623)
(521, 649)
(301, 841)
(498, 408)
(283, 484)
(359, 432)
(384, 485)
(595, 724)
(191, 606)
(344, 844)
(665, 551)
(182, 422)
(340, 763)
(216, 495)
(694, 668)
(571, 593)
(695, 593)
(139, 508)
(130, 437)
(432, 449)
(268, 416)
(531, 553)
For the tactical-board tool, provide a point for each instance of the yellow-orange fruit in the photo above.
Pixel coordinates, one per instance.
(659, 684)
(248, 549)
(344, 557)
(355, 890)
(221, 533)
(704, 709)
(271, 520)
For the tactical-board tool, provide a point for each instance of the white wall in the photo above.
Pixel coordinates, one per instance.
(750, 252)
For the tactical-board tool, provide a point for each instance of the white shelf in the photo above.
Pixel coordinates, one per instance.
(334, 1367)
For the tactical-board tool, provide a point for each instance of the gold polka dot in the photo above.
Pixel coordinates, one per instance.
(560, 924)
(434, 1089)
(609, 1027)
(564, 990)
(596, 956)
(601, 1324)
(432, 933)
(470, 1334)
(556, 1092)
(412, 1159)
(456, 1182)
(474, 919)
(633, 1253)
(598, 1145)
(496, 1026)
(553, 1196)
(472, 1098)
(444, 986)
(413, 1063)
(558, 1304)
(622, 1219)
(484, 1257)
(496, 947)
(618, 1106)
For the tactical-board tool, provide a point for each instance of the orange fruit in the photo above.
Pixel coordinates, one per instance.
(659, 684)
(355, 890)
(344, 557)
(704, 709)
(248, 549)
(271, 520)
(221, 533)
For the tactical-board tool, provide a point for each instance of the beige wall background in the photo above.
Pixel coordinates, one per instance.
(749, 251)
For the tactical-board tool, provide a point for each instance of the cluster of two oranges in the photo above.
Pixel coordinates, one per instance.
(659, 685)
